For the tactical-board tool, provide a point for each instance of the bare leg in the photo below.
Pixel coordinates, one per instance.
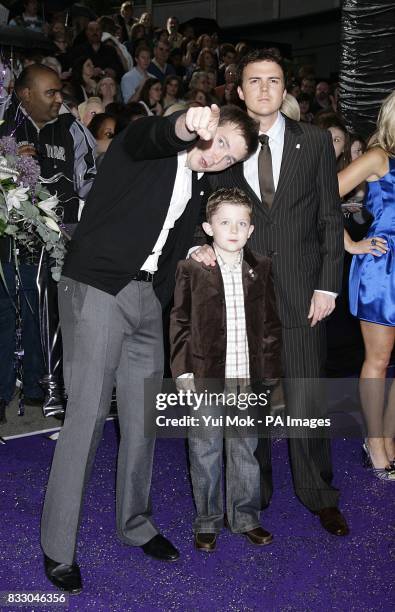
(379, 342)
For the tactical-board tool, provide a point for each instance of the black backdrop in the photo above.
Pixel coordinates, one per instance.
(367, 65)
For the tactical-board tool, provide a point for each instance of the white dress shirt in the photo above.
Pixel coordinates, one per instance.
(276, 143)
(237, 363)
(182, 192)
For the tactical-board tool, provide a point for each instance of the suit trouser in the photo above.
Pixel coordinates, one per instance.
(241, 476)
(304, 350)
(106, 338)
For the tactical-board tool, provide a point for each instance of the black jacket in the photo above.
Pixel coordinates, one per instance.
(126, 209)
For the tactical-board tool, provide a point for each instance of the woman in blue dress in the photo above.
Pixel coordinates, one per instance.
(372, 287)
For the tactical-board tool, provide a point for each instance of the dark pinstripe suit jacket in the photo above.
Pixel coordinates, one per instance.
(303, 230)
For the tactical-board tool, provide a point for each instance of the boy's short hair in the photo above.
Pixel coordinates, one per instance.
(227, 195)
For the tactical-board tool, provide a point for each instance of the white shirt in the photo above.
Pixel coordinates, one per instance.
(182, 192)
(237, 364)
(276, 143)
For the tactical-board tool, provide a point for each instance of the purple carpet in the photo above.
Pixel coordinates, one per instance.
(304, 569)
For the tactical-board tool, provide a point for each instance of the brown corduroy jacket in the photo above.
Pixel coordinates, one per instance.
(198, 320)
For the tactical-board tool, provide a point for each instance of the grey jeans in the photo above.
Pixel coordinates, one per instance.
(242, 477)
(106, 340)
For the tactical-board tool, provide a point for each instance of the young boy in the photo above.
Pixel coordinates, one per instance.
(224, 326)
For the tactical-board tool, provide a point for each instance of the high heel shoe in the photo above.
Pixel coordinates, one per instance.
(387, 473)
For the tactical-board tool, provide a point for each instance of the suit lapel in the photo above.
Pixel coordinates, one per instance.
(290, 159)
(249, 273)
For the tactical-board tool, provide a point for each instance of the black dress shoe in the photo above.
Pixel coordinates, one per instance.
(333, 521)
(259, 536)
(64, 577)
(160, 548)
(205, 542)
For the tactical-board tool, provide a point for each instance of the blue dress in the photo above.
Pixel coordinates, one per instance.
(372, 279)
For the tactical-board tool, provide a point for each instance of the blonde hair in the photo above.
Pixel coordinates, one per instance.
(84, 107)
(384, 136)
(290, 107)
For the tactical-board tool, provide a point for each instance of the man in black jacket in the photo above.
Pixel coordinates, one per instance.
(135, 227)
(64, 150)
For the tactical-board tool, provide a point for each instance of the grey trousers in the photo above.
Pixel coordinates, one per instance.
(106, 339)
(243, 499)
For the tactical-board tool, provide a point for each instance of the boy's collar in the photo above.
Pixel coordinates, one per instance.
(223, 264)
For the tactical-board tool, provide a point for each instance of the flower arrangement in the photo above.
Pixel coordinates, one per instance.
(27, 210)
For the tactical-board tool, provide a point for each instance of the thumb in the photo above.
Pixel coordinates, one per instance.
(215, 110)
(311, 311)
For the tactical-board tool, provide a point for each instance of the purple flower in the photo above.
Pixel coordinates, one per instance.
(29, 171)
(8, 146)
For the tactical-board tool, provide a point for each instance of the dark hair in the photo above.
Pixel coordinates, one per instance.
(77, 69)
(141, 47)
(226, 48)
(134, 29)
(144, 93)
(107, 24)
(97, 121)
(232, 195)
(132, 111)
(304, 97)
(115, 108)
(259, 55)
(161, 42)
(191, 95)
(158, 33)
(168, 79)
(358, 138)
(245, 124)
(329, 119)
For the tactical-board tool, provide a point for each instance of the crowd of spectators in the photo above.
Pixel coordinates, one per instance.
(116, 68)
(110, 63)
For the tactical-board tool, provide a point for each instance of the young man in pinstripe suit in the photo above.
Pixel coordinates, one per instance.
(293, 184)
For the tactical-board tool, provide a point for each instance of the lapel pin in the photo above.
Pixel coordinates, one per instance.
(298, 146)
(251, 273)
(201, 193)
